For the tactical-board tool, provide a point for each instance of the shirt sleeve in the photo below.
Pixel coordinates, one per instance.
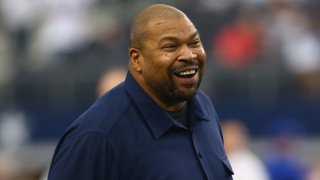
(86, 157)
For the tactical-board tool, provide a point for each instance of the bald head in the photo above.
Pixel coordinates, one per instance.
(139, 27)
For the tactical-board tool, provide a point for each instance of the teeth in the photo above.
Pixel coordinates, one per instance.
(184, 73)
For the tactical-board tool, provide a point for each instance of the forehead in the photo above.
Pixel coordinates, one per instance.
(180, 27)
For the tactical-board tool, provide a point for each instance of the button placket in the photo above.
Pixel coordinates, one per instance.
(199, 153)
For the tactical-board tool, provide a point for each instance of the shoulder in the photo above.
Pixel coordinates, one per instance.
(102, 116)
(88, 140)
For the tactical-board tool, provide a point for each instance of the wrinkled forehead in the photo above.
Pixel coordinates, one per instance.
(163, 26)
(165, 20)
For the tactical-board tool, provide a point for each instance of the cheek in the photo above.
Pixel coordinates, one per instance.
(202, 55)
(163, 62)
(158, 64)
(156, 69)
(167, 56)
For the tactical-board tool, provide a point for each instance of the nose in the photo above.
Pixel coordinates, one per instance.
(187, 53)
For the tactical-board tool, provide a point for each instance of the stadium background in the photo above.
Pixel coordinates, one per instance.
(263, 68)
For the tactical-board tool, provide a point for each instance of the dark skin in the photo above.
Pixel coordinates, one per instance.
(170, 63)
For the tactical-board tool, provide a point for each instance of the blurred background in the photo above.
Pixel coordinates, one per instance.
(262, 74)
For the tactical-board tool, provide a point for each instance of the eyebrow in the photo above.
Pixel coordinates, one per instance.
(172, 38)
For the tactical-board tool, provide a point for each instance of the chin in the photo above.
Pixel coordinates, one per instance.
(184, 96)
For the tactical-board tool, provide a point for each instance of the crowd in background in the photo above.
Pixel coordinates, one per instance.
(263, 67)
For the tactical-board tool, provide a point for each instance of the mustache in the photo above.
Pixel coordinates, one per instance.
(185, 64)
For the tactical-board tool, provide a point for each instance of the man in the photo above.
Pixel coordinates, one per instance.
(156, 125)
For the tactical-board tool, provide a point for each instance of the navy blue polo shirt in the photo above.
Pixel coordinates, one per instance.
(125, 135)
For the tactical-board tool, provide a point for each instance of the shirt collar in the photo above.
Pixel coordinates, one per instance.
(157, 119)
(197, 108)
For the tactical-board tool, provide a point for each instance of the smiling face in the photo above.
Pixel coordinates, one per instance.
(170, 62)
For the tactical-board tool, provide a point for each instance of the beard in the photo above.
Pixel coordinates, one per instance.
(169, 91)
(172, 93)
(179, 95)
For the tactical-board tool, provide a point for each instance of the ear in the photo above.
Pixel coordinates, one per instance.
(135, 59)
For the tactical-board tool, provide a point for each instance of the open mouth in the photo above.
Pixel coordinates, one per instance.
(186, 74)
